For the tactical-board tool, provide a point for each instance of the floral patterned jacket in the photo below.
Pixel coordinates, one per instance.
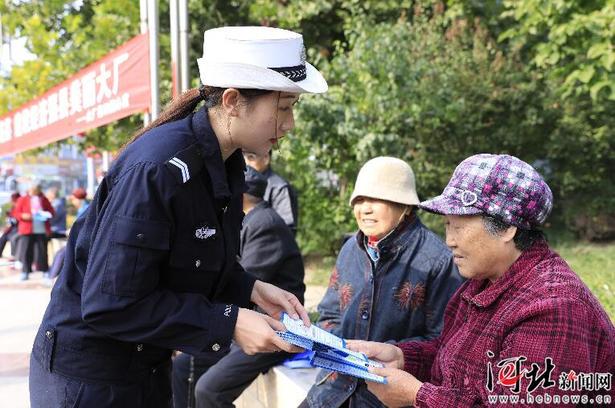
(401, 297)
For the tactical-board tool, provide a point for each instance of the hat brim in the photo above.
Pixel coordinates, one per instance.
(408, 199)
(244, 76)
(445, 205)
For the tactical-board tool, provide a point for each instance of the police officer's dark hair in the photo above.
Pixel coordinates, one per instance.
(523, 239)
(186, 102)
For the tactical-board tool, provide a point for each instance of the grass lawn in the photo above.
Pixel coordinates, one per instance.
(594, 263)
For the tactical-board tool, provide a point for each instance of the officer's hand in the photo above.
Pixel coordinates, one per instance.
(387, 354)
(26, 216)
(255, 333)
(274, 301)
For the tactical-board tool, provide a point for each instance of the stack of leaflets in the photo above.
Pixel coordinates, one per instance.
(330, 351)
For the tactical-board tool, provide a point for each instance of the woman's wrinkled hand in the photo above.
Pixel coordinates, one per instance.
(399, 391)
(388, 354)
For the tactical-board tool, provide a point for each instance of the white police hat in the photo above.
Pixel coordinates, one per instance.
(258, 58)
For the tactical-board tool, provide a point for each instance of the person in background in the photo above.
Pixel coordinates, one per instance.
(10, 230)
(280, 194)
(269, 252)
(391, 281)
(58, 221)
(78, 199)
(79, 202)
(33, 212)
(523, 324)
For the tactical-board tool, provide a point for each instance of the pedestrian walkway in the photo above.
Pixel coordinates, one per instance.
(22, 305)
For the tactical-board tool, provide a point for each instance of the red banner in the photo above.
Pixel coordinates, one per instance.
(113, 87)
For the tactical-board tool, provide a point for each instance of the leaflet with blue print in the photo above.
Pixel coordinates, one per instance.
(329, 351)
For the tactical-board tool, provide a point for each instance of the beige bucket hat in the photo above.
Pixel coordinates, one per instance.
(386, 178)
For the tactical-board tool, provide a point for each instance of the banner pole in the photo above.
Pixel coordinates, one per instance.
(143, 30)
(176, 71)
(184, 46)
(154, 56)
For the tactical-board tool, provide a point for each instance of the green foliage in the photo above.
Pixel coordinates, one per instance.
(571, 41)
(423, 91)
(595, 265)
(570, 44)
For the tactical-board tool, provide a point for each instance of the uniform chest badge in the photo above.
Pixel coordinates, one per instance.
(204, 232)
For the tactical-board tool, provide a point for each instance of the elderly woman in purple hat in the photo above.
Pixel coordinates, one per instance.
(523, 329)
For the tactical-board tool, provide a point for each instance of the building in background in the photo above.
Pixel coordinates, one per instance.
(64, 167)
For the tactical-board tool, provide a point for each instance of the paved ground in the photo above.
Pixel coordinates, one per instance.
(22, 305)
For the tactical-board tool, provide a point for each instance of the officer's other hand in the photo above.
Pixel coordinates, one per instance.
(255, 333)
(274, 301)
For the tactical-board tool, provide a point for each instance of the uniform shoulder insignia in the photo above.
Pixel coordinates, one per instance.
(186, 163)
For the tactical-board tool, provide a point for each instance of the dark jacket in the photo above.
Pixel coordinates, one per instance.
(58, 222)
(269, 251)
(401, 297)
(152, 265)
(283, 198)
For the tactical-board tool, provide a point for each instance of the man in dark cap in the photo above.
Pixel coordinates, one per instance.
(268, 251)
(279, 193)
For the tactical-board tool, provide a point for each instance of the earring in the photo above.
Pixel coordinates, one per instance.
(228, 128)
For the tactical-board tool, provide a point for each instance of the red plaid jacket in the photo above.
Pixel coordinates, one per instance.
(538, 309)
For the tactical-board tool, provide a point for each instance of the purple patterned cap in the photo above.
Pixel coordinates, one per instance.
(498, 185)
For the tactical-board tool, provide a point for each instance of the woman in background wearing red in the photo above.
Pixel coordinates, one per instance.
(33, 211)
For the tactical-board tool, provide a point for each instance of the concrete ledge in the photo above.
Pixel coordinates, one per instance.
(280, 387)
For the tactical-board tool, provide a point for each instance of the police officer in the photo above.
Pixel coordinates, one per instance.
(151, 266)
(268, 251)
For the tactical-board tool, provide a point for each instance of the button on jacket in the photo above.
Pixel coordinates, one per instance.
(402, 296)
(151, 266)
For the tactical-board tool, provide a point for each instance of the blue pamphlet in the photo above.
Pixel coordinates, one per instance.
(299, 360)
(329, 351)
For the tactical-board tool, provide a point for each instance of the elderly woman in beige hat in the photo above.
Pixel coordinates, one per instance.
(391, 281)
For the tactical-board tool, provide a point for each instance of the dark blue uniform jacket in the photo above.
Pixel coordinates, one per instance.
(152, 266)
(269, 250)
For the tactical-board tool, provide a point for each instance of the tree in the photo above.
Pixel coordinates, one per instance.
(570, 44)
(65, 37)
(425, 91)
(570, 41)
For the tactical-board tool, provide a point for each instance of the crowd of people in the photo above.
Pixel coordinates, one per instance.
(32, 221)
(174, 279)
